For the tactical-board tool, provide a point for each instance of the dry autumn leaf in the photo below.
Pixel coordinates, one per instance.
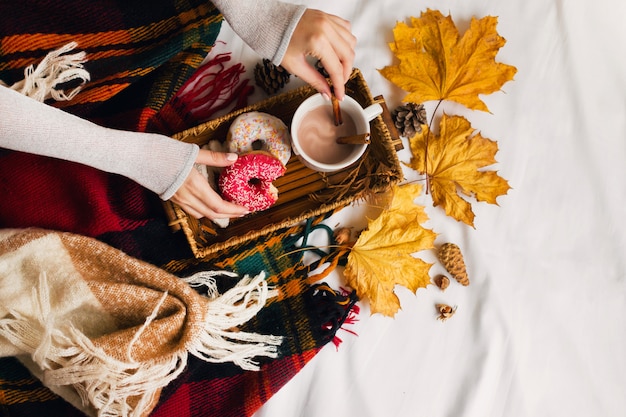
(453, 163)
(381, 257)
(437, 63)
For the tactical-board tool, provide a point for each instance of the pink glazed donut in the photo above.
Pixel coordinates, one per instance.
(248, 182)
(257, 131)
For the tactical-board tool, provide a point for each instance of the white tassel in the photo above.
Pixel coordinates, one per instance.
(207, 279)
(41, 303)
(58, 67)
(138, 333)
(221, 342)
(107, 384)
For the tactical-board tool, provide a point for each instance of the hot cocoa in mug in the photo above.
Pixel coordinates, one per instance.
(314, 134)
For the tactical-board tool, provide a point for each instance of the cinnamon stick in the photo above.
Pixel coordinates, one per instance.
(360, 139)
(336, 109)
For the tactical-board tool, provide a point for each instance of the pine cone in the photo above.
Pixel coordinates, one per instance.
(409, 118)
(452, 259)
(270, 77)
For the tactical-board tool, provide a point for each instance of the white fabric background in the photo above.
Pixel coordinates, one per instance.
(541, 330)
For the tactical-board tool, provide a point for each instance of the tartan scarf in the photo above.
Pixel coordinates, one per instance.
(139, 55)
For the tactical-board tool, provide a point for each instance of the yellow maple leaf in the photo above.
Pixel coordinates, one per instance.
(452, 160)
(437, 63)
(381, 257)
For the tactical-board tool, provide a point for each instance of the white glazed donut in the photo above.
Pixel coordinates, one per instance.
(257, 131)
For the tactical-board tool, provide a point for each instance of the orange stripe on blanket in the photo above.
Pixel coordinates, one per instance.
(12, 396)
(104, 89)
(47, 42)
(25, 62)
(93, 95)
(293, 288)
(192, 19)
(144, 118)
(180, 24)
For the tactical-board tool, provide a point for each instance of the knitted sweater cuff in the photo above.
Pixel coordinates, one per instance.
(264, 25)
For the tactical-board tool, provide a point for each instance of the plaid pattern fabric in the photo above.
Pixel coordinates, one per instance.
(300, 312)
(139, 54)
(308, 316)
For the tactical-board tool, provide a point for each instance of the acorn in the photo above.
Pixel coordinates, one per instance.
(442, 282)
(342, 235)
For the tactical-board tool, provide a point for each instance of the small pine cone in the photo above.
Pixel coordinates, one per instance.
(452, 259)
(270, 77)
(409, 118)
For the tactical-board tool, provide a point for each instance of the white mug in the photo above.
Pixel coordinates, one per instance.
(314, 134)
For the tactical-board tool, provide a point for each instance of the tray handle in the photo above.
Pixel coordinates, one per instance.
(388, 120)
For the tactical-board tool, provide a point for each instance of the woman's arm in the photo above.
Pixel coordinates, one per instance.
(154, 161)
(157, 162)
(162, 164)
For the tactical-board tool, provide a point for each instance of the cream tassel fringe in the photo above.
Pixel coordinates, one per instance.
(219, 340)
(58, 67)
(68, 357)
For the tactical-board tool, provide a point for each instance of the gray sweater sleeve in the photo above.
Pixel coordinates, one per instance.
(157, 162)
(264, 25)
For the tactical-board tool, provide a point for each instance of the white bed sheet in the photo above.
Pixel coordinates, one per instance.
(541, 330)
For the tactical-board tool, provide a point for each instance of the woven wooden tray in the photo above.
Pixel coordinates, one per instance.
(303, 193)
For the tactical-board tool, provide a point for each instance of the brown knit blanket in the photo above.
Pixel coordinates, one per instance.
(106, 331)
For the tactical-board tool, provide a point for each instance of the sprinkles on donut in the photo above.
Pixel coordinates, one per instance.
(248, 182)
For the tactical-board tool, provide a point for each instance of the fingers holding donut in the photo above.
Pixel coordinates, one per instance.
(263, 145)
(235, 178)
(199, 199)
(216, 159)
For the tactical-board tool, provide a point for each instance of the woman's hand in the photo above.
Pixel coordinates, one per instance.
(197, 197)
(327, 38)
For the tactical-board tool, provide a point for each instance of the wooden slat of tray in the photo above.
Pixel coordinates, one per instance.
(294, 191)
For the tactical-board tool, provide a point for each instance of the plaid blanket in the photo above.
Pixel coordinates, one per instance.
(139, 56)
(307, 316)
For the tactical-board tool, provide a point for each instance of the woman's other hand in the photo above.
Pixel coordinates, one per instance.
(327, 38)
